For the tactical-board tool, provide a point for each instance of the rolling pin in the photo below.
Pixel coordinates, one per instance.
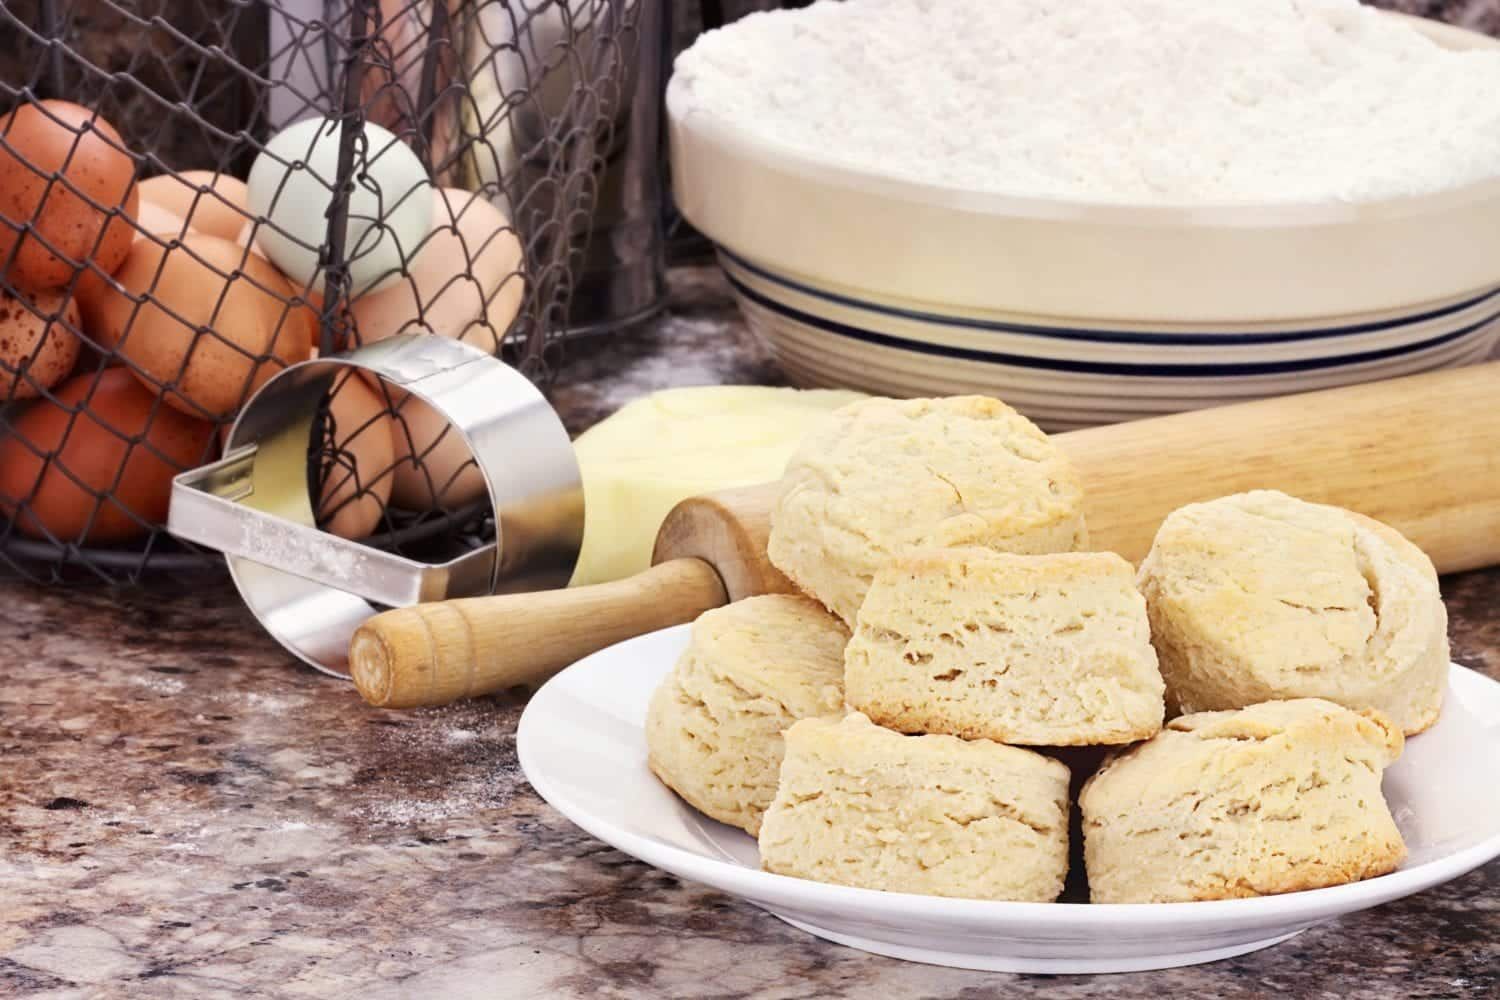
(1421, 453)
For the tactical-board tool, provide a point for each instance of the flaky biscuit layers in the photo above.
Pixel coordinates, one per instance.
(1278, 797)
(882, 477)
(860, 805)
(1045, 650)
(751, 669)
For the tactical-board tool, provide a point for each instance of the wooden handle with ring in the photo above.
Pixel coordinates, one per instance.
(432, 654)
(1420, 453)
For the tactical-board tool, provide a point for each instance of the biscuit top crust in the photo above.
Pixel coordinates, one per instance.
(1303, 591)
(855, 738)
(882, 476)
(1367, 733)
(781, 646)
(1198, 751)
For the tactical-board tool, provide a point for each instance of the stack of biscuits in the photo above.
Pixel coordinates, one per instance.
(897, 724)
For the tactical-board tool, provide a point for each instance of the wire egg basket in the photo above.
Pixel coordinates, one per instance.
(195, 194)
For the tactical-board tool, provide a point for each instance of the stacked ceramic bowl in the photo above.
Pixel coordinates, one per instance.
(1077, 313)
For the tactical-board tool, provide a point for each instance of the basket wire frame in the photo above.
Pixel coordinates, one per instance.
(507, 104)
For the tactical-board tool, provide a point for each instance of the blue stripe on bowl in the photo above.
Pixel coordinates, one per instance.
(1208, 338)
(1100, 367)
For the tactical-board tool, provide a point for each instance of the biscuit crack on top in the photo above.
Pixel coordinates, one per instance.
(951, 485)
(884, 477)
(1261, 596)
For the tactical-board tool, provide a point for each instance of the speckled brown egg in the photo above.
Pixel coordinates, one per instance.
(38, 347)
(150, 222)
(355, 467)
(104, 475)
(204, 321)
(57, 158)
(211, 203)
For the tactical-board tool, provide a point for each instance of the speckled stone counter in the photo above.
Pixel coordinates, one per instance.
(185, 812)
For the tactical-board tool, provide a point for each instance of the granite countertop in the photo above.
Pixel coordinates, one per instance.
(186, 812)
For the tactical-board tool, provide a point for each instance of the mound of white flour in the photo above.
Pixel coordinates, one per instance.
(1111, 100)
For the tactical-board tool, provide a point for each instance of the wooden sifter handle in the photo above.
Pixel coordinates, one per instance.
(1421, 453)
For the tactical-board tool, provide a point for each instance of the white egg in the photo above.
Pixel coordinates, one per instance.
(390, 209)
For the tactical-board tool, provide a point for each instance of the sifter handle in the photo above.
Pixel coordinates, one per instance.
(432, 654)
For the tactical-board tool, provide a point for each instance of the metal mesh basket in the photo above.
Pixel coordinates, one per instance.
(145, 294)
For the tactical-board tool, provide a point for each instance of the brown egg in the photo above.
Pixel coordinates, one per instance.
(111, 451)
(150, 220)
(313, 300)
(204, 317)
(157, 219)
(57, 139)
(443, 473)
(465, 280)
(355, 465)
(104, 323)
(38, 347)
(245, 237)
(215, 204)
(295, 317)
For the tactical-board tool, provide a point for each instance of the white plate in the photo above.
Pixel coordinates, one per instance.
(582, 747)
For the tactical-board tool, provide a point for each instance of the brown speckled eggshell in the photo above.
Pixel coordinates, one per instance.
(123, 446)
(203, 281)
(45, 140)
(38, 348)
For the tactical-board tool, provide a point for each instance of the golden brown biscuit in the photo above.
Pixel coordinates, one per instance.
(1048, 650)
(1260, 596)
(882, 477)
(863, 806)
(713, 730)
(1278, 797)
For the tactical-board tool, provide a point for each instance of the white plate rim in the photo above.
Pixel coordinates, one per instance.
(771, 890)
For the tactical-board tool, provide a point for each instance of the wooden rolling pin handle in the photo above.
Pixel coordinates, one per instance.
(432, 654)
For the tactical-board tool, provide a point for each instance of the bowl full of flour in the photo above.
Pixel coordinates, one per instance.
(1099, 209)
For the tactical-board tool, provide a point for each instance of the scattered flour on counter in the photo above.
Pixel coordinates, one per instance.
(271, 704)
(157, 683)
(1153, 101)
(446, 768)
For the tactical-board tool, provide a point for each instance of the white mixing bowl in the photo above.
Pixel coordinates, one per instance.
(1080, 313)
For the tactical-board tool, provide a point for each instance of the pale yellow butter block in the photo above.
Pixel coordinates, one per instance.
(663, 448)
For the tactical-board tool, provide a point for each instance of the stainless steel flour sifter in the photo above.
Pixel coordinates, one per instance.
(311, 589)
